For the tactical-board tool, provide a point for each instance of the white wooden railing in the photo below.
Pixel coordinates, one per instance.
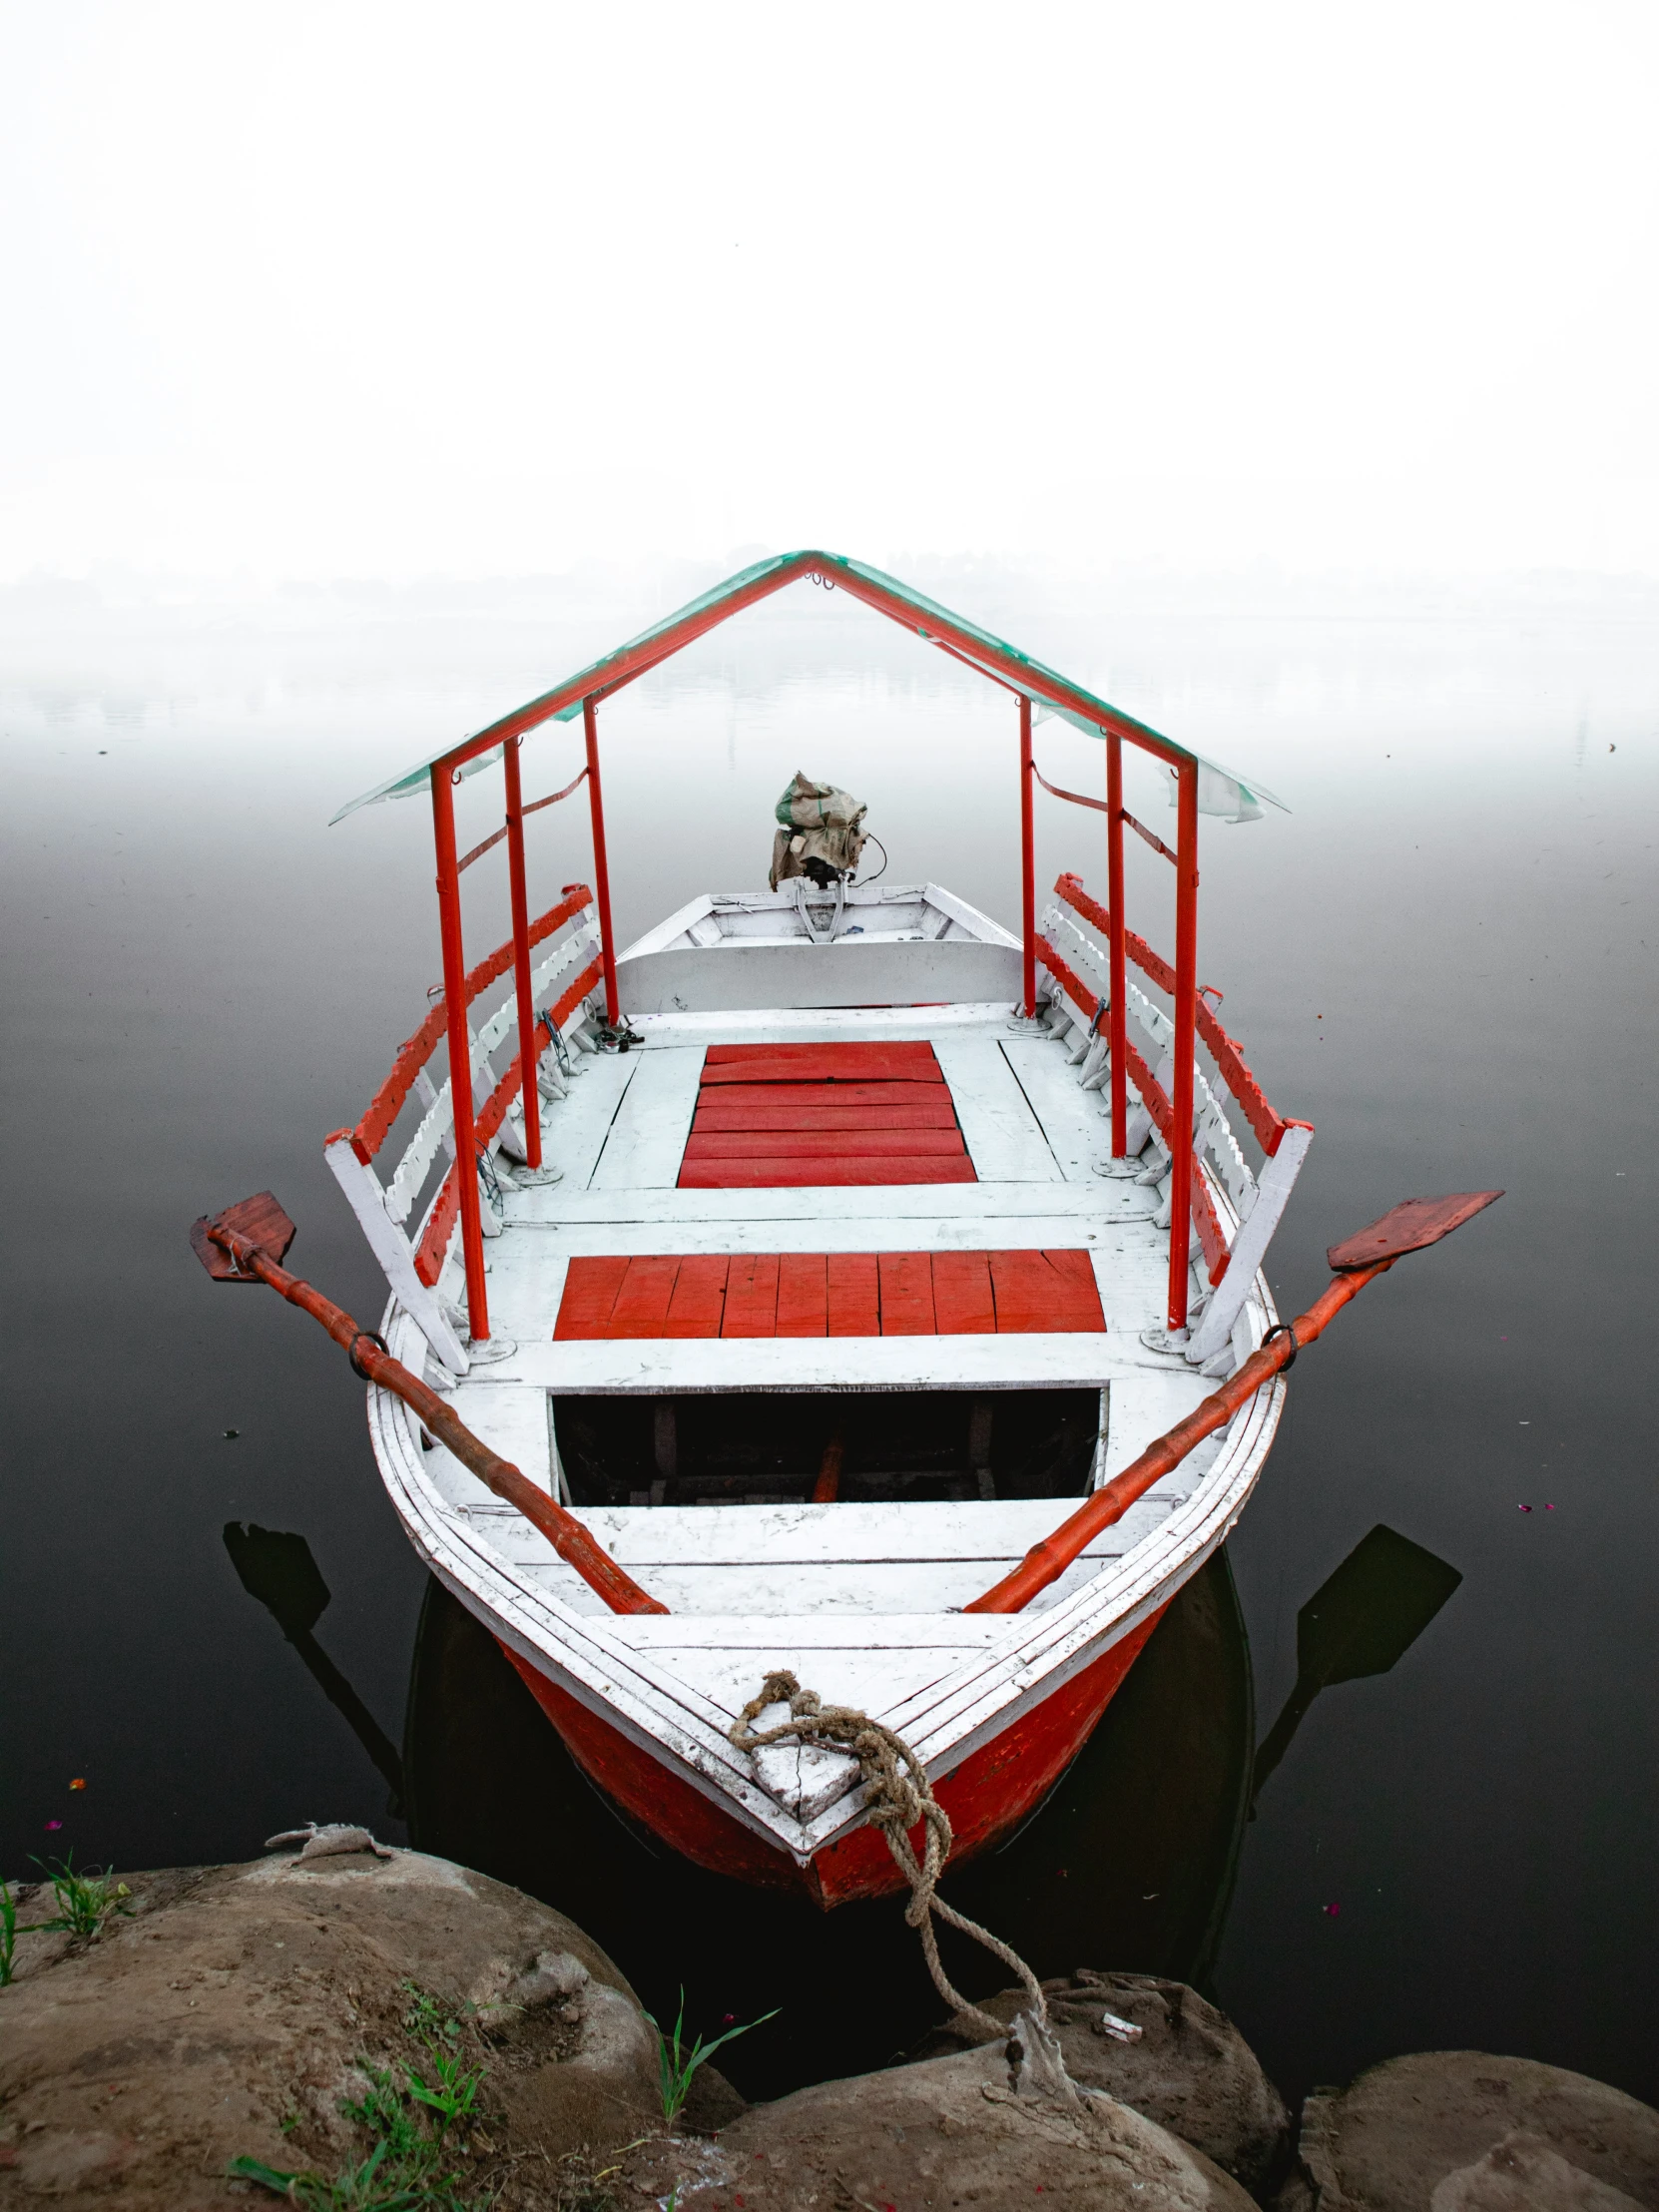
(383, 1203)
(1078, 966)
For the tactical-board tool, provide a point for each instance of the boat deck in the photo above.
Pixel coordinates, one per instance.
(619, 1138)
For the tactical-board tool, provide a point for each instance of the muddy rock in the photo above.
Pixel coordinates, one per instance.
(941, 2131)
(1462, 2131)
(1191, 2070)
(231, 2012)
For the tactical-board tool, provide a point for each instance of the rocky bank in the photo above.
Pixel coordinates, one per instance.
(234, 2011)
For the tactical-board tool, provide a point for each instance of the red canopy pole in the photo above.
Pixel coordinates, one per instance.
(1186, 1040)
(1028, 865)
(460, 1048)
(521, 952)
(1117, 1013)
(601, 872)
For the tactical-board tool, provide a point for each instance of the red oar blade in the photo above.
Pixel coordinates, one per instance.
(1408, 1227)
(259, 1219)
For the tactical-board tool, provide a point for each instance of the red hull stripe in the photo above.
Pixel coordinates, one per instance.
(838, 1293)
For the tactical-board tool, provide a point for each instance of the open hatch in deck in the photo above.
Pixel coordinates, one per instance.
(799, 1447)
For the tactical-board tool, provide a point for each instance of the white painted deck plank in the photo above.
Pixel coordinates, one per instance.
(873, 1680)
(647, 1139)
(512, 1423)
(819, 1024)
(1145, 1402)
(759, 1582)
(811, 1632)
(789, 1535)
(868, 1589)
(1003, 1138)
(1082, 1360)
(560, 1205)
(574, 1127)
(1069, 1116)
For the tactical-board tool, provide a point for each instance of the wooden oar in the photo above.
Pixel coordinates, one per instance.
(1359, 1260)
(247, 1241)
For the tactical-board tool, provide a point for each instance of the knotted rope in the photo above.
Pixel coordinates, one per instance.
(899, 1796)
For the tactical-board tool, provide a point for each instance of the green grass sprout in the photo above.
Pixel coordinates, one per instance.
(413, 2125)
(86, 1902)
(677, 2064)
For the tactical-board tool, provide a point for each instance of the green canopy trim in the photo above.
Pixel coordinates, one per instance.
(1220, 791)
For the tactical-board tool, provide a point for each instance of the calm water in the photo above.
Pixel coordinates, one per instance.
(1444, 957)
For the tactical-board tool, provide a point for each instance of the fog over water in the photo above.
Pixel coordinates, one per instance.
(1443, 956)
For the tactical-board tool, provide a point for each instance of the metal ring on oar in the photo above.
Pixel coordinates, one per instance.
(1284, 1329)
(365, 1337)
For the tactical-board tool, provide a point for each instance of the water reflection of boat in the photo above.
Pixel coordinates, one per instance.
(842, 1298)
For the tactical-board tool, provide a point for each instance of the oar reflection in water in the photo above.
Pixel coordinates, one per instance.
(278, 1569)
(1358, 1623)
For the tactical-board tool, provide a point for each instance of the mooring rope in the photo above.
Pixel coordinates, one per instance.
(899, 1796)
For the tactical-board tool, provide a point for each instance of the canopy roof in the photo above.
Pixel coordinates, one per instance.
(1220, 789)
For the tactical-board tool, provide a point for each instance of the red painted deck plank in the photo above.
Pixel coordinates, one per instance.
(642, 1303)
(789, 1173)
(907, 1294)
(1034, 1294)
(841, 1294)
(826, 1064)
(699, 1302)
(963, 1301)
(855, 1294)
(752, 1296)
(815, 1117)
(821, 1144)
(912, 1052)
(804, 1295)
(724, 1097)
(590, 1292)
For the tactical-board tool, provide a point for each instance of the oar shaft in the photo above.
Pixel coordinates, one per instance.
(575, 1546)
(1046, 1561)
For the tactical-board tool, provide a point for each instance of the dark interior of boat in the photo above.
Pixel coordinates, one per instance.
(859, 1446)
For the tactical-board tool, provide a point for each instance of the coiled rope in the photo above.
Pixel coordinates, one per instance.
(899, 1796)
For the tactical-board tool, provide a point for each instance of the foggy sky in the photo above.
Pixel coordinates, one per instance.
(368, 290)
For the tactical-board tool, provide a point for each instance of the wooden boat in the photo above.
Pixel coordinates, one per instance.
(881, 1237)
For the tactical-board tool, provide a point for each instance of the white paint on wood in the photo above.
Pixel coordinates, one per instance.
(851, 971)
(1004, 1139)
(700, 1364)
(392, 1248)
(1069, 1116)
(647, 1140)
(1250, 1245)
